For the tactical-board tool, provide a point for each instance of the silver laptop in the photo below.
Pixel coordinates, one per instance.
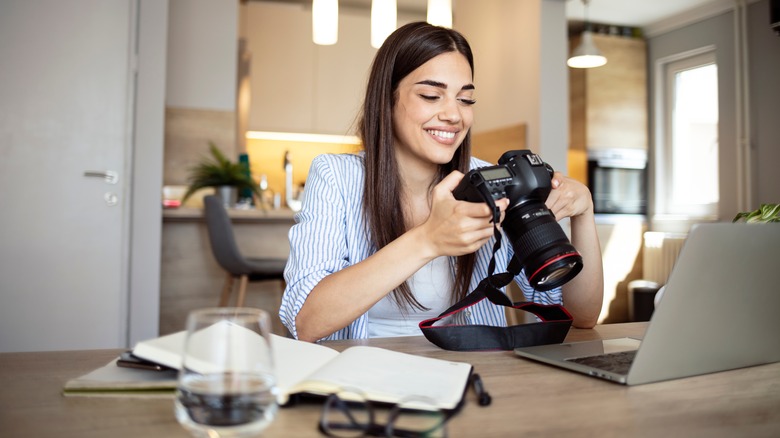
(720, 311)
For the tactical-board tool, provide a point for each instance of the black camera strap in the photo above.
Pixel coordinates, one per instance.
(554, 325)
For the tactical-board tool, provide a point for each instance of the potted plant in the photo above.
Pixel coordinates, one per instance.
(225, 176)
(765, 213)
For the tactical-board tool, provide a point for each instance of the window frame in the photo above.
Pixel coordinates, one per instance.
(665, 71)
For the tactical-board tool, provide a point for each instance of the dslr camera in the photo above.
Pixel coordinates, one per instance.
(539, 243)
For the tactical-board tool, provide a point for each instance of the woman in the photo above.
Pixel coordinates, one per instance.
(381, 243)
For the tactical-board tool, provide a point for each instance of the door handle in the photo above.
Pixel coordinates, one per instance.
(109, 176)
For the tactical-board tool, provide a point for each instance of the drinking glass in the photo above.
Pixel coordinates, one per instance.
(227, 385)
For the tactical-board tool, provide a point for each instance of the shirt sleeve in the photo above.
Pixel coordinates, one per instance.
(318, 240)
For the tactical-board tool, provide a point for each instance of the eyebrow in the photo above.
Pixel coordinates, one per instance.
(442, 85)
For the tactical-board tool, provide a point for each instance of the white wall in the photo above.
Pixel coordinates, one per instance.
(764, 70)
(202, 54)
(520, 50)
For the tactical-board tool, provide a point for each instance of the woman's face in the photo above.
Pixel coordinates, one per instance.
(432, 112)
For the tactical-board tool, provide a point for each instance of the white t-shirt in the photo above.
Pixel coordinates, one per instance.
(431, 285)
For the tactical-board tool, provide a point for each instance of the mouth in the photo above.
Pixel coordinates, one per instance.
(443, 135)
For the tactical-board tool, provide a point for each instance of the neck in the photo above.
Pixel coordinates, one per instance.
(417, 177)
(417, 180)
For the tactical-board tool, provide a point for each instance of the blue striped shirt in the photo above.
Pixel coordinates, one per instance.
(330, 234)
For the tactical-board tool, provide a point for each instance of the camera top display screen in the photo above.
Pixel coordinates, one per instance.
(495, 173)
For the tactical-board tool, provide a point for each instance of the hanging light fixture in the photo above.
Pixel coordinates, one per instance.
(325, 22)
(383, 21)
(440, 13)
(586, 55)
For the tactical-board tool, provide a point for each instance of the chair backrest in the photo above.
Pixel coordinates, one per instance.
(223, 241)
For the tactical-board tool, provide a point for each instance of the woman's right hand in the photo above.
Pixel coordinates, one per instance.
(455, 227)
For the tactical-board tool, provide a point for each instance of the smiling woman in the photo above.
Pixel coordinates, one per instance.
(381, 243)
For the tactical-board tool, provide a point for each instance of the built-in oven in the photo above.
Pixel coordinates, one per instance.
(617, 179)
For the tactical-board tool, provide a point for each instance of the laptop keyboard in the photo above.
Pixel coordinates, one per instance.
(618, 363)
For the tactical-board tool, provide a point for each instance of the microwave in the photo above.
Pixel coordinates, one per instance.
(617, 179)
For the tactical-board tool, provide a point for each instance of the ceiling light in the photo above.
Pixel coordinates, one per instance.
(383, 21)
(325, 22)
(586, 55)
(440, 13)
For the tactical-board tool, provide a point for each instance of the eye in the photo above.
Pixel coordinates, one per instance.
(429, 97)
(468, 102)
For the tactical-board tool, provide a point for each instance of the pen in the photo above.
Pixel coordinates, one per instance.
(483, 398)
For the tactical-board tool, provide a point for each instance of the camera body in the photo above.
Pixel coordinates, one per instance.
(520, 176)
(539, 243)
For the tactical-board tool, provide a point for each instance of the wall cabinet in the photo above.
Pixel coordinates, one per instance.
(608, 104)
(298, 86)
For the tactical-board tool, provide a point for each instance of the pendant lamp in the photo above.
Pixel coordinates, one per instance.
(440, 13)
(586, 55)
(325, 22)
(383, 21)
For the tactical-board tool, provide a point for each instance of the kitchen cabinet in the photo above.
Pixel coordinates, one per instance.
(608, 104)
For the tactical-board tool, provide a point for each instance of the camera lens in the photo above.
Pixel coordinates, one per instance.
(541, 246)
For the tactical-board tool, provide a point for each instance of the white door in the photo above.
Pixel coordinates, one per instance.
(65, 109)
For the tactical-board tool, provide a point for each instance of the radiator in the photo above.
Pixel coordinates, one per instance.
(659, 253)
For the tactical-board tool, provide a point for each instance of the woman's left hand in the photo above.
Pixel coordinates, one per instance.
(569, 197)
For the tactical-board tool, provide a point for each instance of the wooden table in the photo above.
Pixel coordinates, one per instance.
(529, 399)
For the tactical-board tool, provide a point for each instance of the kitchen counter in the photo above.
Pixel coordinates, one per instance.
(190, 277)
(190, 214)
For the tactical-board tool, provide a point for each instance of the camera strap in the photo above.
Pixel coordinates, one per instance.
(554, 324)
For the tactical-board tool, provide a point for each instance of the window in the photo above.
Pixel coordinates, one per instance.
(687, 150)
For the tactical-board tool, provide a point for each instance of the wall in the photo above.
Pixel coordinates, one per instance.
(202, 50)
(764, 59)
(517, 81)
(201, 83)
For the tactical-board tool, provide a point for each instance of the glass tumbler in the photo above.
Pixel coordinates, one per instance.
(227, 386)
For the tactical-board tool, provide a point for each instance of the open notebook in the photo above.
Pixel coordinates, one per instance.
(719, 312)
(301, 368)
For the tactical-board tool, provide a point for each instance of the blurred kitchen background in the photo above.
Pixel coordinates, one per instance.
(140, 88)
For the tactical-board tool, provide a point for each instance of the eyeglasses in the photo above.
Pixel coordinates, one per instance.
(349, 414)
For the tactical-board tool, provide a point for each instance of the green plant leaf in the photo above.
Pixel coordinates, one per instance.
(217, 170)
(764, 214)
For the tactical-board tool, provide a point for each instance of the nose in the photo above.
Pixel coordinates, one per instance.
(450, 111)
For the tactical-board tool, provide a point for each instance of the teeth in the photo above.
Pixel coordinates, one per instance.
(442, 134)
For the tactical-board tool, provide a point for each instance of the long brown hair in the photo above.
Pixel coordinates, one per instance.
(405, 50)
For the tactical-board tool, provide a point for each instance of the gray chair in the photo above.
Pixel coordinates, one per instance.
(229, 257)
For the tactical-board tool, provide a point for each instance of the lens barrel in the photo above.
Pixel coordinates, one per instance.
(541, 246)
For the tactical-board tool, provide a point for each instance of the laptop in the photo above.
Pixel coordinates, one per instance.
(720, 310)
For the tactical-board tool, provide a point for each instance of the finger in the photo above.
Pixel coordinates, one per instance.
(557, 180)
(555, 204)
(478, 210)
(450, 182)
(473, 240)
